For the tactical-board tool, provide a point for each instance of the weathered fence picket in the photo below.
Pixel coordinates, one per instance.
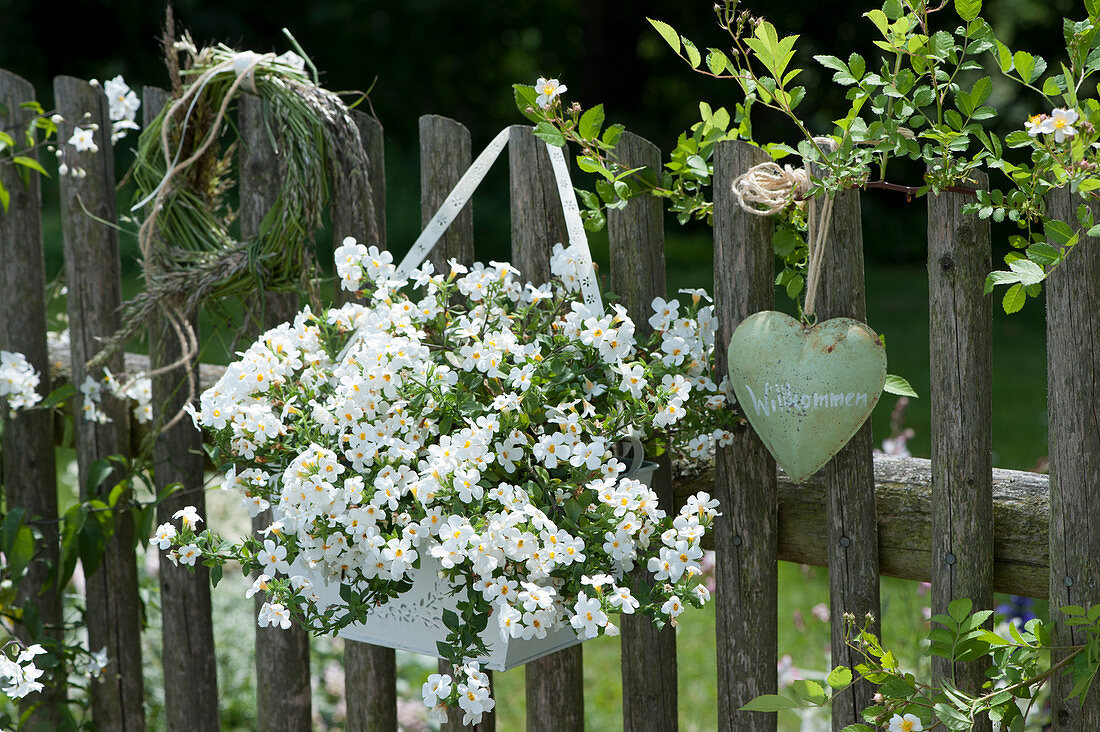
(445, 154)
(92, 275)
(960, 319)
(187, 628)
(29, 463)
(555, 683)
(1073, 393)
(370, 672)
(745, 535)
(282, 656)
(853, 530)
(636, 236)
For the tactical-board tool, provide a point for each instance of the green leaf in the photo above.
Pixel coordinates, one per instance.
(525, 97)
(30, 163)
(612, 135)
(5, 198)
(794, 287)
(832, 62)
(959, 608)
(1030, 272)
(839, 678)
(1004, 57)
(671, 37)
(898, 385)
(1027, 66)
(1059, 233)
(968, 9)
(717, 61)
(1014, 299)
(1043, 254)
(810, 691)
(591, 122)
(13, 521)
(549, 134)
(693, 56)
(97, 473)
(1051, 87)
(981, 90)
(91, 543)
(770, 703)
(20, 552)
(880, 20)
(952, 717)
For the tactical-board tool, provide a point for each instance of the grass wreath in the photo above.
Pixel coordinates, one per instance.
(185, 170)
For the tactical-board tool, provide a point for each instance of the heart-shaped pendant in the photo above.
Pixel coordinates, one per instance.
(806, 390)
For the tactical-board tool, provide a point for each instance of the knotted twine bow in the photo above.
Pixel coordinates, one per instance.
(767, 189)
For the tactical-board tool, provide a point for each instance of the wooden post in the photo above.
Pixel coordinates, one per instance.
(282, 656)
(1073, 392)
(187, 629)
(853, 529)
(637, 241)
(555, 683)
(370, 672)
(444, 156)
(29, 472)
(92, 272)
(745, 534)
(537, 219)
(961, 347)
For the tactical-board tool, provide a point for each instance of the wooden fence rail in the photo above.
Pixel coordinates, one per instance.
(969, 529)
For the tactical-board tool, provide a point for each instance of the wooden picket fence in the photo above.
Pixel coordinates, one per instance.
(954, 521)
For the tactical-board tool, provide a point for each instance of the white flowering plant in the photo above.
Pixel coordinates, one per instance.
(41, 128)
(473, 418)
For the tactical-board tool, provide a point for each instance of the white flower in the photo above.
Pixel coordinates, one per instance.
(273, 614)
(908, 723)
(697, 293)
(1060, 123)
(83, 140)
(1034, 124)
(188, 554)
(122, 106)
(273, 557)
(548, 90)
(436, 689)
(259, 585)
(163, 537)
(189, 516)
(18, 381)
(21, 674)
(663, 313)
(588, 617)
(623, 600)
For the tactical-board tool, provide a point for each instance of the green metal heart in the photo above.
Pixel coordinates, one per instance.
(805, 390)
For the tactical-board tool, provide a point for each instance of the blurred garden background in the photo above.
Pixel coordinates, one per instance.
(459, 58)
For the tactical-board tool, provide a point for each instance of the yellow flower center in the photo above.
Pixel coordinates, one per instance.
(907, 725)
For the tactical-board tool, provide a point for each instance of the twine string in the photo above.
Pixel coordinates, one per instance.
(768, 188)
